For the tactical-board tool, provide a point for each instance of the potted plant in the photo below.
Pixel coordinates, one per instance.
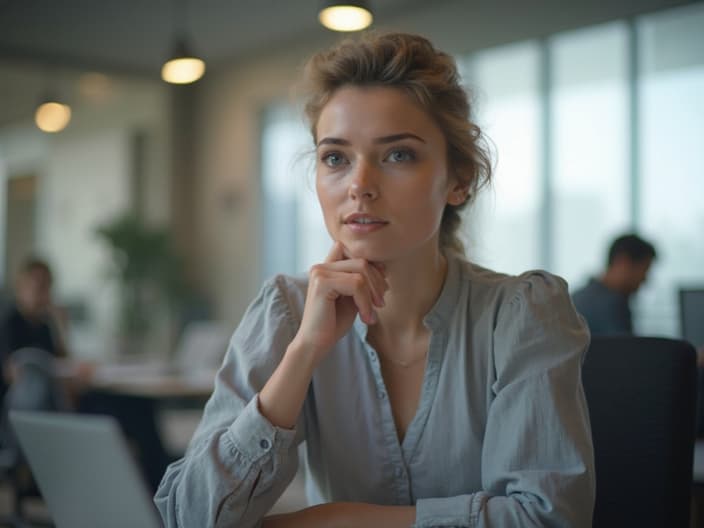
(149, 273)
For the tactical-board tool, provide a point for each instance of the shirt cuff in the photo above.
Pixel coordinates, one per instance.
(462, 511)
(254, 436)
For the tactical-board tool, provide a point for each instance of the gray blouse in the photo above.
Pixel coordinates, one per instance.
(500, 438)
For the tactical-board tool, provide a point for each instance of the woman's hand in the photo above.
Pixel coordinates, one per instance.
(338, 289)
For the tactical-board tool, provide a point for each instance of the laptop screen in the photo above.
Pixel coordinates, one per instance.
(85, 470)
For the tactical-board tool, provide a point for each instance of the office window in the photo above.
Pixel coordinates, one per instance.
(590, 147)
(502, 228)
(671, 205)
(294, 233)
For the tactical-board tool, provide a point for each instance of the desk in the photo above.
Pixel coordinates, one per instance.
(154, 381)
(143, 379)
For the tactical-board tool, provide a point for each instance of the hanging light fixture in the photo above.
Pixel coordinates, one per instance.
(52, 116)
(346, 15)
(183, 67)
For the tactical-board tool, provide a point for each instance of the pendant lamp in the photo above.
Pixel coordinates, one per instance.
(346, 15)
(52, 116)
(183, 66)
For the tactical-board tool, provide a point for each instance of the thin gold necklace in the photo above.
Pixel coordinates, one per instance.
(405, 364)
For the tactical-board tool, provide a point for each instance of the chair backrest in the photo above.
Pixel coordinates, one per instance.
(641, 394)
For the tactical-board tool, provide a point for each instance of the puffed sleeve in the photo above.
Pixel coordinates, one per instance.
(537, 457)
(238, 463)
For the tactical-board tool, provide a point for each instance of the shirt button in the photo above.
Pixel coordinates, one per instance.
(264, 443)
(382, 395)
(399, 472)
(372, 356)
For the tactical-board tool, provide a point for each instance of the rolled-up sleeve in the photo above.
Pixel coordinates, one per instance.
(237, 463)
(537, 461)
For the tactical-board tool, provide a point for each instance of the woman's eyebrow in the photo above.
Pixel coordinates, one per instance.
(398, 137)
(380, 140)
(333, 141)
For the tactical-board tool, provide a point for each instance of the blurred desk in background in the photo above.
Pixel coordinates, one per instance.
(153, 381)
(156, 380)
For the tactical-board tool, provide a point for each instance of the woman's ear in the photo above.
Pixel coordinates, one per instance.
(458, 193)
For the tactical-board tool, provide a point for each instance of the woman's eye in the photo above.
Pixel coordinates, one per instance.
(333, 159)
(401, 155)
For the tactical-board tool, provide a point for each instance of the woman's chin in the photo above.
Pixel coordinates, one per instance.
(358, 250)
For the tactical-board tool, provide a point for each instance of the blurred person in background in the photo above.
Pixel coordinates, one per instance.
(31, 321)
(605, 301)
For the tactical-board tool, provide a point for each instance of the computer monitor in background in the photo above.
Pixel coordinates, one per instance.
(692, 315)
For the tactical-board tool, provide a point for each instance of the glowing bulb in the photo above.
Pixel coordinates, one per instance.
(345, 18)
(183, 70)
(52, 116)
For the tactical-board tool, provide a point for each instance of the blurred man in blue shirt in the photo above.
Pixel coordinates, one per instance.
(604, 301)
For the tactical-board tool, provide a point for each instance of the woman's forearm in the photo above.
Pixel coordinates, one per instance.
(345, 515)
(282, 397)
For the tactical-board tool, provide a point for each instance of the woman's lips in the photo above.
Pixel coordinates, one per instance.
(364, 223)
(360, 228)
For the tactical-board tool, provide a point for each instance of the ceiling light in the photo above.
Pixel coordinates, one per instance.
(345, 16)
(52, 116)
(183, 67)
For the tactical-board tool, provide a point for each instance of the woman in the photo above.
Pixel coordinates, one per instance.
(429, 391)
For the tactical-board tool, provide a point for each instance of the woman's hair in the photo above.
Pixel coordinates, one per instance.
(429, 76)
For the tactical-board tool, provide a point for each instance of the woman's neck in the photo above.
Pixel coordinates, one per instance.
(414, 287)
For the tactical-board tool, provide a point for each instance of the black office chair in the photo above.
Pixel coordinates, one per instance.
(641, 394)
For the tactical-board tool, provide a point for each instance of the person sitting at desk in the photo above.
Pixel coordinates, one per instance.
(31, 321)
(605, 301)
(428, 390)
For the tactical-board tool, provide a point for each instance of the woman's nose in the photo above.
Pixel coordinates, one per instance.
(363, 185)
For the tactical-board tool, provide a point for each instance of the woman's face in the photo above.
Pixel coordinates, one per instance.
(381, 173)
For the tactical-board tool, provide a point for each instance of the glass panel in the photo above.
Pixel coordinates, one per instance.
(590, 148)
(501, 229)
(672, 160)
(294, 232)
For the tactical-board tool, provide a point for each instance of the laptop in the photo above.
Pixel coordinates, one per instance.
(84, 470)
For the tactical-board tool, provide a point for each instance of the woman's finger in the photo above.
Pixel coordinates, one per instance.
(337, 252)
(377, 281)
(335, 284)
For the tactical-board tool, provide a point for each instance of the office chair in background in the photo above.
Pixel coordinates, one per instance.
(641, 394)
